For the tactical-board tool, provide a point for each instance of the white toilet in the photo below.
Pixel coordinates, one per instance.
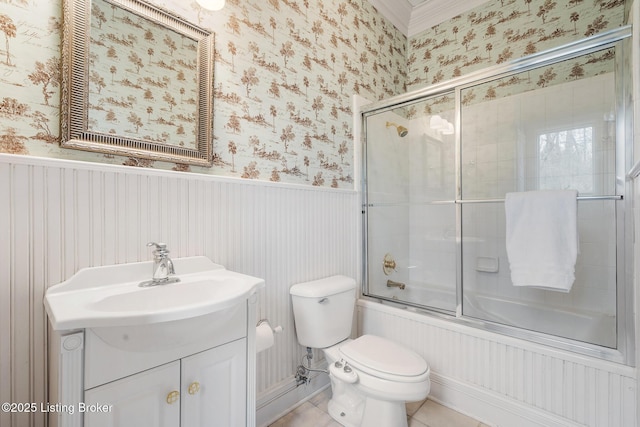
(371, 377)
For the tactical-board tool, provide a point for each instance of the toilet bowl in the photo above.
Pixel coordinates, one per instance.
(383, 376)
(371, 377)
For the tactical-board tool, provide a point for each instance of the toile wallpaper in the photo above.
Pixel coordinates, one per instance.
(285, 74)
(502, 30)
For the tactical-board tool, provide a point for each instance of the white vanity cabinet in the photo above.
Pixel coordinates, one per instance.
(127, 354)
(207, 383)
(143, 400)
(205, 389)
(213, 391)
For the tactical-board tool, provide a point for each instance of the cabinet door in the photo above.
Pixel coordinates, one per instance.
(214, 387)
(148, 399)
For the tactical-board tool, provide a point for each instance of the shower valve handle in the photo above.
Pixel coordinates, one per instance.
(388, 264)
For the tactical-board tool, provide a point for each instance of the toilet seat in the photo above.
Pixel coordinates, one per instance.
(384, 359)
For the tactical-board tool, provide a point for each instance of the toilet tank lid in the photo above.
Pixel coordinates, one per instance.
(323, 287)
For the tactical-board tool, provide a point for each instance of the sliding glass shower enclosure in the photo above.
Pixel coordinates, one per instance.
(438, 163)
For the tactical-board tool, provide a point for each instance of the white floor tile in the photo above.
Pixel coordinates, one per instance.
(306, 415)
(421, 414)
(435, 415)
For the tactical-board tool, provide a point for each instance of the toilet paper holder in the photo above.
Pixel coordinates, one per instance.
(275, 330)
(265, 335)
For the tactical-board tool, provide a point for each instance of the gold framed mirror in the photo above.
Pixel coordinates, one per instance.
(137, 81)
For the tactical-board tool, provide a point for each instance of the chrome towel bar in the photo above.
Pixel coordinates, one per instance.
(463, 201)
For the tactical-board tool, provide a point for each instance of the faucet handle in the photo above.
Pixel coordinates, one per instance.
(160, 247)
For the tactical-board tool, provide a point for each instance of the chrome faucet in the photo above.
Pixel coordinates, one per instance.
(163, 271)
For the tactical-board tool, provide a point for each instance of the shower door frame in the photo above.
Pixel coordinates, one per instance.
(625, 329)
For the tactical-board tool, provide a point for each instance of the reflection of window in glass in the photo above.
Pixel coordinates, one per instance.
(565, 160)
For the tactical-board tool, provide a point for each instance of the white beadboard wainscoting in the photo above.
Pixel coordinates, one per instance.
(508, 382)
(59, 216)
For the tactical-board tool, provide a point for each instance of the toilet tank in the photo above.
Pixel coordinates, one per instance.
(323, 310)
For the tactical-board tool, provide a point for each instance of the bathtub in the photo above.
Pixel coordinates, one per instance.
(580, 325)
(420, 294)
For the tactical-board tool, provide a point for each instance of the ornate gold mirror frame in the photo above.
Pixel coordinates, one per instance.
(137, 81)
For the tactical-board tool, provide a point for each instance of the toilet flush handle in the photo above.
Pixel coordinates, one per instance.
(323, 300)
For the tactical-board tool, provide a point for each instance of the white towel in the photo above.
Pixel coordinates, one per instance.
(542, 238)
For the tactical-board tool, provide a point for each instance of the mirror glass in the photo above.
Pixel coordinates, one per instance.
(137, 81)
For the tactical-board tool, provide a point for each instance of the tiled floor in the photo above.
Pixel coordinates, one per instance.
(313, 413)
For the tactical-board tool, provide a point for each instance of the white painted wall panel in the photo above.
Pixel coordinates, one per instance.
(60, 216)
(5, 291)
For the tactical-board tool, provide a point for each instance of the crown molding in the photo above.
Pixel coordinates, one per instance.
(396, 11)
(434, 12)
(414, 20)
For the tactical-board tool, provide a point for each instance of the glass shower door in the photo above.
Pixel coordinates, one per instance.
(410, 206)
(439, 163)
(548, 128)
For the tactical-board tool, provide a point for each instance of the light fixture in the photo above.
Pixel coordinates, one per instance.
(402, 131)
(211, 4)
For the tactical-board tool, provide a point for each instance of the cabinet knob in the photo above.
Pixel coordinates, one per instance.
(194, 388)
(173, 397)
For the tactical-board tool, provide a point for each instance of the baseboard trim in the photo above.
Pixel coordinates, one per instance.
(490, 408)
(481, 404)
(286, 397)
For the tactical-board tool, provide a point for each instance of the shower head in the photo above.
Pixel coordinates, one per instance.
(402, 131)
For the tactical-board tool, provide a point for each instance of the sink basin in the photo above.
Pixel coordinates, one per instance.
(108, 297)
(199, 293)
